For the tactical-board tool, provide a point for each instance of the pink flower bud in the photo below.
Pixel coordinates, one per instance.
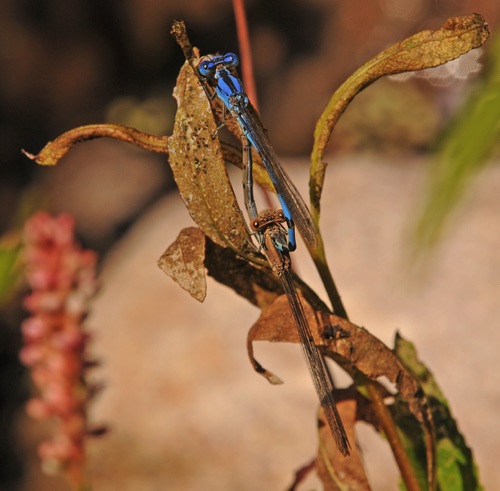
(71, 338)
(34, 329)
(44, 300)
(74, 426)
(31, 354)
(40, 279)
(60, 398)
(58, 449)
(64, 366)
(41, 375)
(38, 409)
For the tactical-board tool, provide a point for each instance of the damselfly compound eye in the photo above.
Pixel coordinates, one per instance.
(205, 68)
(231, 59)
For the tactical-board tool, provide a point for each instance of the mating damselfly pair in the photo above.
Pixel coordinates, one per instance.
(275, 229)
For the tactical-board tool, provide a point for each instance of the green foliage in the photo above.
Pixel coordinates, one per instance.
(8, 272)
(456, 469)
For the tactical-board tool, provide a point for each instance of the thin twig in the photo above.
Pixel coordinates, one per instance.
(387, 423)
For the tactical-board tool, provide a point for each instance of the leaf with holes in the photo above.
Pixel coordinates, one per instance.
(197, 163)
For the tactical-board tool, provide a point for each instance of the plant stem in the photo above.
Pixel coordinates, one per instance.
(319, 259)
(387, 423)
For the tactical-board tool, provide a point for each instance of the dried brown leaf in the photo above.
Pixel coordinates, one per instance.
(183, 261)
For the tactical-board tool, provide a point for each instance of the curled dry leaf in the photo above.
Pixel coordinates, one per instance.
(183, 262)
(57, 149)
(426, 49)
(301, 474)
(335, 471)
(198, 166)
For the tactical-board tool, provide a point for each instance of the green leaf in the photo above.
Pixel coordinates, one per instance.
(9, 273)
(414, 444)
(456, 469)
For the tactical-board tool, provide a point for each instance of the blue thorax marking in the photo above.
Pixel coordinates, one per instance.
(229, 89)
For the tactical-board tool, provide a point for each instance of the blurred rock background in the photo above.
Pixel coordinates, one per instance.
(65, 64)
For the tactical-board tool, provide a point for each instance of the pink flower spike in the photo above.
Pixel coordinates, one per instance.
(63, 280)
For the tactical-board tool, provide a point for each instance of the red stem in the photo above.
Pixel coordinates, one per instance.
(245, 52)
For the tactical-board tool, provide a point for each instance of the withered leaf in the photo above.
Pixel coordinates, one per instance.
(336, 472)
(183, 261)
(198, 166)
(276, 323)
(426, 49)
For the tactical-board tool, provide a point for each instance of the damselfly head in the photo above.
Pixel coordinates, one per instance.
(210, 63)
(266, 219)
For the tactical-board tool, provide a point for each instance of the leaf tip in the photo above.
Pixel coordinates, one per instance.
(28, 154)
